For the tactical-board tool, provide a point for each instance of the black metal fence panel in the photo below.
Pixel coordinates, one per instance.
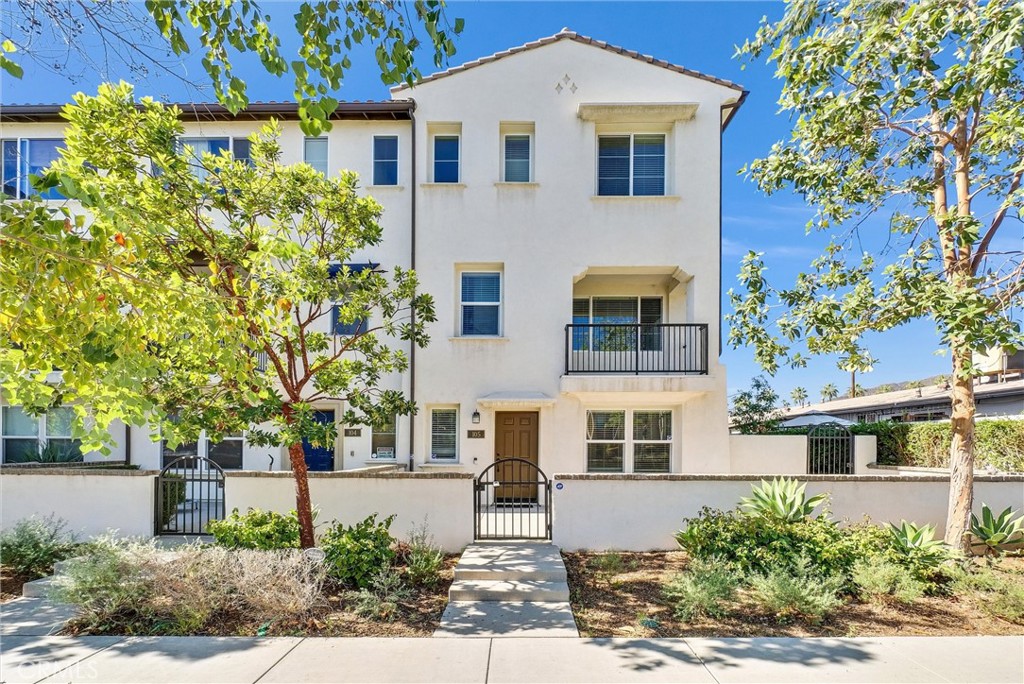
(512, 500)
(829, 450)
(189, 494)
(636, 348)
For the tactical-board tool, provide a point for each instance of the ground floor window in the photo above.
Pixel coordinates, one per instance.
(384, 438)
(25, 437)
(444, 437)
(621, 441)
(226, 453)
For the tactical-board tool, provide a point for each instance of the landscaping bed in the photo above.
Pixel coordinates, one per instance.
(10, 584)
(620, 595)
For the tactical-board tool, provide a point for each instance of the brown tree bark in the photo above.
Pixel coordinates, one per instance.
(961, 453)
(303, 505)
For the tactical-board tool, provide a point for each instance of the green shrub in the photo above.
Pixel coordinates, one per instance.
(991, 532)
(757, 544)
(876, 579)
(797, 591)
(781, 499)
(111, 584)
(916, 548)
(424, 559)
(381, 599)
(999, 443)
(702, 589)
(1007, 604)
(355, 554)
(33, 545)
(256, 529)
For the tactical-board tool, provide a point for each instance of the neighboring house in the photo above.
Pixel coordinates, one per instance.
(561, 202)
(992, 400)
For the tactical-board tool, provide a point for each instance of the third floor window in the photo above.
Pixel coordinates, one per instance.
(446, 159)
(314, 153)
(385, 160)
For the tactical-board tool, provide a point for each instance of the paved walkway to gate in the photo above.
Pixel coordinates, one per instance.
(715, 661)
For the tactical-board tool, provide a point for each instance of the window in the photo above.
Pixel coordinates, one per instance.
(314, 153)
(607, 313)
(385, 160)
(384, 438)
(444, 426)
(31, 438)
(652, 441)
(201, 146)
(643, 435)
(226, 453)
(240, 150)
(481, 303)
(340, 327)
(446, 159)
(631, 164)
(517, 158)
(25, 157)
(606, 441)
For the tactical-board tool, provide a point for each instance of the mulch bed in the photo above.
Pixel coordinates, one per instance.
(10, 584)
(621, 597)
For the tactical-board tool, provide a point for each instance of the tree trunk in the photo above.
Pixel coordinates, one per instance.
(961, 453)
(303, 505)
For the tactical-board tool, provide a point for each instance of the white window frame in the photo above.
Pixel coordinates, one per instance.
(374, 432)
(18, 177)
(504, 167)
(433, 158)
(629, 442)
(41, 437)
(398, 160)
(631, 134)
(433, 410)
(327, 159)
(500, 303)
(203, 445)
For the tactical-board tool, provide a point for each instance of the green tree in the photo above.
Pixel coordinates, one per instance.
(756, 410)
(910, 111)
(799, 396)
(196, 292)
(829, 392)
(60, 34)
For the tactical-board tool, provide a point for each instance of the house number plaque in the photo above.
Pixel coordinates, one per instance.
(353, 432)
(475, 434)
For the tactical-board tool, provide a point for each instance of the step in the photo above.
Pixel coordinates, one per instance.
(511, 561)
(39, 588)
(527, 591)
(507, 619)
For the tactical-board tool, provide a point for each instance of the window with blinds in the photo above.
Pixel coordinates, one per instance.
(314, 153)
(652, 441)
(613, 311)
(517, 158)
(606, 441)
(446, 159)
(444, 434)
(199, 147)
(631, 165)
(385, 160)
(481, 303)
(638, 441)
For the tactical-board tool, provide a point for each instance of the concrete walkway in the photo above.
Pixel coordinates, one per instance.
(510, 589)
(247, 660)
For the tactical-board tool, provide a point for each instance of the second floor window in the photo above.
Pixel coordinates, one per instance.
(481, 303)
(25, 157)
(517, 158)
(201, 146)
(631, 164)
(385, 160)
(606, 314)
(314, 153)
(446, 159)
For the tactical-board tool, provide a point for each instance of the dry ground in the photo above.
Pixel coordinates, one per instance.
(621, 597)
(10, 584)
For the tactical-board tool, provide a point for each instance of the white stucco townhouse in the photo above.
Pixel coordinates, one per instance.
(561, 202)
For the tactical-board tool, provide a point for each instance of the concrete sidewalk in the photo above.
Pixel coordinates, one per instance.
(248, 660)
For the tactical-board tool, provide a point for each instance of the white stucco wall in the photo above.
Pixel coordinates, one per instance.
(91, 502)
(787, 454)
(643, 512)
(443, 501)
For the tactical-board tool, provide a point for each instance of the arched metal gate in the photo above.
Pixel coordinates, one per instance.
(512, 500)
(189, 494)
(829, 450)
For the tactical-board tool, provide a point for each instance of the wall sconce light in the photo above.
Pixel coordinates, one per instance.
(476, 417)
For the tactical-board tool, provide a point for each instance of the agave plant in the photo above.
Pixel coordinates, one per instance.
(782, 499)
(918, 544)
(993, 531)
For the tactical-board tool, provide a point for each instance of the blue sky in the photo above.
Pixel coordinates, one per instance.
(698, 35)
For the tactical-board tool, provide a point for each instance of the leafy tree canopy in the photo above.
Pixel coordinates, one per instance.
(756, 410)
(55, 32)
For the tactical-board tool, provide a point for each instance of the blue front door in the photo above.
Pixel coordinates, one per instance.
(319, 458)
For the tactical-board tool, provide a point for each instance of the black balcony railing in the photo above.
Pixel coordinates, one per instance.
(636, 348)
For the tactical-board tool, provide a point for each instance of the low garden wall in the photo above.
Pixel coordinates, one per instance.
(787, 454)
(642, 512)
(91, 500)
(442, 500)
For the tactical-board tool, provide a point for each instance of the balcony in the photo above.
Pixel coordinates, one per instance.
(636, 349)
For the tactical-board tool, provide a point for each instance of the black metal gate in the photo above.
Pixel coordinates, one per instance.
(829, 450)
(512, 500)
(189, 494)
